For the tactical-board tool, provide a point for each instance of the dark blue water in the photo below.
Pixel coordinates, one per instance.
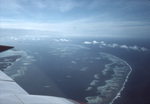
(40, 78)
(137, 89)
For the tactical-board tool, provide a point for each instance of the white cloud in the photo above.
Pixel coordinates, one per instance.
(21, 24)
(114, 45)
(95, 42)
(134, 48)
(87, 42)
(102, 43)
(62, 40)
(83, 26)
(124, 46)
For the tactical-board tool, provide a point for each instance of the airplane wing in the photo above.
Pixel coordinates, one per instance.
(12, 93)
(4, 48)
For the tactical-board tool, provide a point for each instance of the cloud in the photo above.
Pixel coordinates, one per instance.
(113, 45)
(93, 42)
(90, 17)
(136, 48)
(21, 24)
(87, 42)
(62, 40)
(124, 46)
(102, 44)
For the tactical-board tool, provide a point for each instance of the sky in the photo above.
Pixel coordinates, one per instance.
(115, 18)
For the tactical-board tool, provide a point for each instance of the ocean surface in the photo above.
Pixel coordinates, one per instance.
(93, 70)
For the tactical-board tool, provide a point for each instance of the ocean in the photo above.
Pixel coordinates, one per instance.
(72, 67)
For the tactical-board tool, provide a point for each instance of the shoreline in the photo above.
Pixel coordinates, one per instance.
(123, 86)
(20, 56)
(20, 65)
(109, 92)
(116, 95)
(12, 62)
(12, 57)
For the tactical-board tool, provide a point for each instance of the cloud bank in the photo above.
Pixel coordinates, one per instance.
(102, 44)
